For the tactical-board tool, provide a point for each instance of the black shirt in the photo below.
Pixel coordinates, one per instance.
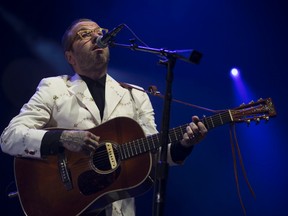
(97, 90)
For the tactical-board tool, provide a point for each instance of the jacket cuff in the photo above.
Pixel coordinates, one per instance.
(179, 153)
(50, 144)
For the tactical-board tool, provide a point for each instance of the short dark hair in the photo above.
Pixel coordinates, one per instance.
(67, 38)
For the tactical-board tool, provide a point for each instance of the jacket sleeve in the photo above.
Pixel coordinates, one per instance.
(23, 135)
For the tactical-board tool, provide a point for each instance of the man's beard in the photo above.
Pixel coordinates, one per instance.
(93, 61)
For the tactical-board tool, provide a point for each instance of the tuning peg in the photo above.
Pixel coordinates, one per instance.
(266, 119)
(257, 120)
(260, 99)
(251, 102)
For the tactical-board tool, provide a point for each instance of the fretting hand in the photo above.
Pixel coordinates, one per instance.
(196, 131)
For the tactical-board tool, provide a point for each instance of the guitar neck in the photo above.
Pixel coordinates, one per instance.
(152, 142)
(217, 119)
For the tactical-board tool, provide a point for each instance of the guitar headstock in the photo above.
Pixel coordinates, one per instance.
(263, 109)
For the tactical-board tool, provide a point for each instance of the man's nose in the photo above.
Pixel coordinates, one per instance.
(94, 37)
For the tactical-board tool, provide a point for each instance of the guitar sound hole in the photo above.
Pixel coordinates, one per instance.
(101, 161)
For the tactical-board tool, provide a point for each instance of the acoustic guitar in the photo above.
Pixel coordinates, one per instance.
(69, 183)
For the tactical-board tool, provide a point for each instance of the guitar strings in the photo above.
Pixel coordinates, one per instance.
(139, 146)
(102, 156)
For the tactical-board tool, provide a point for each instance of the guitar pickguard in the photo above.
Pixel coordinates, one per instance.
(91, 182)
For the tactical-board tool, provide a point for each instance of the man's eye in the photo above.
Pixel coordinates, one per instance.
(100, 31)
(86, 34)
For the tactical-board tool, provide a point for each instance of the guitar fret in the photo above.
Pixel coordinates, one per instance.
(230, 115)
(128, 150)
(144, 147)
(169, 138)
(213, 119)
(135, 147)
(220, 118)
(151, 138)
(204, 120)
(149, 143)
(175, 134)
(158, 139)
(225, 118)
(148, 146)
(139, 147)
(141, 151)
(172, 135)
(141, 144)
(183, 130)
(124, 150)
(131, 150)
(212, 122)
(121, 153)
(208, 123)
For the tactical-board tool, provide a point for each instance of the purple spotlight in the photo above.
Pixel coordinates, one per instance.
(234, 72)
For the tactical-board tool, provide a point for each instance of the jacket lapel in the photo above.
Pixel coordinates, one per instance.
(113, 95)
(79, 88)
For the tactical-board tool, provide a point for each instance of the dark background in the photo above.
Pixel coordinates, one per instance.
(249, 35)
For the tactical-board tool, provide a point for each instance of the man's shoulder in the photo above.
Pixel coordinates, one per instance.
(60, 78)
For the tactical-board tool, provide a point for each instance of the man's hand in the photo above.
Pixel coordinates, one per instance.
(196, 131)
(77, 141)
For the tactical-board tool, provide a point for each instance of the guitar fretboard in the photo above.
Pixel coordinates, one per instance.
(152, 142)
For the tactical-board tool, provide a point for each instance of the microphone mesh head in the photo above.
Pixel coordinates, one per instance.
(99, 42)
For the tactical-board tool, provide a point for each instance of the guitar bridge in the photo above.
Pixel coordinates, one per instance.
(64, 171)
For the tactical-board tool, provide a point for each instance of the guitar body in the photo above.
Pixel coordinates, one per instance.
(42, 190)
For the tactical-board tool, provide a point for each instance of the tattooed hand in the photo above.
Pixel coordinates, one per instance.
(77, 141)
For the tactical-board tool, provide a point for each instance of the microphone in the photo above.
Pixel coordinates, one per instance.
(104, 41)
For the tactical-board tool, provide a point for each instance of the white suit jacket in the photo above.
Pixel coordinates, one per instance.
(66, 102)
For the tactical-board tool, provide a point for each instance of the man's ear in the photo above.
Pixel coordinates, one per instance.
(69, 57)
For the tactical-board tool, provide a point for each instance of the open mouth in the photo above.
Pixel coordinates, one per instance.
(98, 49)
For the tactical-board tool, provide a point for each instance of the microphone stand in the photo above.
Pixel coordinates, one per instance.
(162, 167)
